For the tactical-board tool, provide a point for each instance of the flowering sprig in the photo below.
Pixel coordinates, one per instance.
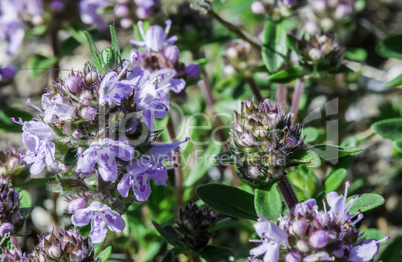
(308, 234)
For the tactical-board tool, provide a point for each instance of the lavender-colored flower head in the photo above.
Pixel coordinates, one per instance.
(11, 165)
(263, 141)
(11, 220)
(101, 217)
(314, 235)
(7, 74)
(149, 166)
(89, 15)
(14, 254)
(11, 25)
(64, 246)
(240, 57)
(104, 153)
(155, 39)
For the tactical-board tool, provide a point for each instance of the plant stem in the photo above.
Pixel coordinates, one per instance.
(281, 94)
(232, 28)
(296, 98)
(287, 191)
(56, 52)
(255, 89)
(178, 169)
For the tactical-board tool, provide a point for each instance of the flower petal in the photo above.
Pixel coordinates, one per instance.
(81, 217)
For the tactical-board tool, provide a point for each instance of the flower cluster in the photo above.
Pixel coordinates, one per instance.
(11, 220)
(307, 234)
(263, 141)
(11, 165)
(100, 128)
(240, 57)
(320, 51)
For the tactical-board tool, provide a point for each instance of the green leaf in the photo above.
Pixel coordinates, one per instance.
(70, 158)
(204, 165)
(287, 75)
(311, 134)
(394, 82)
(216, 254)
(308, 157)
(274, 47)
(228, 200)
(26, 200)
(330, 152)
(366, 202)
(38, 64)
(170, 234)
(356, 54)
(398, 145)
(390, 47)
(389, 128)
(268, 202)
(392, 253)
(335, 179)
(226, 157)
(107, 57)
(170, 255)
(84, 231)
(292, 42)
(105, 254)
(94, 53)
(115, 45)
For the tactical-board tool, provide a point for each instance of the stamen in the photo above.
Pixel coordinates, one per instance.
(168, 25)
(140, 23)
(20, 122)
(28, 101)
(359, 217)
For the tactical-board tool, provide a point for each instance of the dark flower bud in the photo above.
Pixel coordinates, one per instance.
(195, 225)
(11, 220)
(72, 84)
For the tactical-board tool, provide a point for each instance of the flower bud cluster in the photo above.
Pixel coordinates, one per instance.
(263, 141)
(308, 234)
(240, 57)
(283, 8)
(11, 220)
(125, 10)
(321, 51)
(64, 246)
(11, 165)
(326, 15)
(195, 225)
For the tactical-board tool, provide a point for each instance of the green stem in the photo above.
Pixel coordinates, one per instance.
(296, 98)
(255, 89)
(281, 94)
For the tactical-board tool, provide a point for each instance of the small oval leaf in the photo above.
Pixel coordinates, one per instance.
(335, 179)
(366, 202)
(268, 202)
(389, 128)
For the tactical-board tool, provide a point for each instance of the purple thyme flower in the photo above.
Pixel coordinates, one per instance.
(112, 91)
(339, 207)
(155, 38)
(89, 14)
(56, 109)
(144, 8)
(272, 238)
(104, 153)
(37, 137)
(150, 166)
(11, 25)
(101, 217)
(7, 73)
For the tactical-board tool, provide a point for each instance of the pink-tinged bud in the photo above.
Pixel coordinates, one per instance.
(319, 239)
(302, 245)
(257, 8)
(143, 13)
(121, 11)
(314, 54)
(246, 140)
(327, 23)
(89, 113)
(78, 134)
(76, 204)
(193, 71)
(339, 252)
(319, 6)
(126, 23)
(311, 27)
(299, 227)
(86, 97)
(342, 11)
(293, 257)
(72, 84)
(253, 172)
(6, 228)
(171, 53)
(54, 251)
(91, 78)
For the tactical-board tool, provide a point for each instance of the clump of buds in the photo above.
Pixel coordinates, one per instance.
(263, 141)
(11, 220)
(64, 246)
(13, 254)
(195, 225)
(240, 57)
(321, 51)
(11, 165)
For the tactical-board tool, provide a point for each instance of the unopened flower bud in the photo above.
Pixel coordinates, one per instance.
(6, 228)
(171, 53)
(293, 257)
(54, 251)
(72, 84)
(302, 245)
(86, 97)
(121, 11)
(126, 22)
(314, 54)
(89, 113)
(76, 204)
(91, 78)
(319, 239)
(257, 8)
(193, 71)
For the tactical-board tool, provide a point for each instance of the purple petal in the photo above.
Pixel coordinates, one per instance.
(98, 230)
(123, 151)
(177, 85)
(114, 221)
(141, 187)
(37, 166)
(107, 167)
(155, 38)
(137, 43)
(364, 252)
(124, 185)
(171, 40)
(81, 217)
